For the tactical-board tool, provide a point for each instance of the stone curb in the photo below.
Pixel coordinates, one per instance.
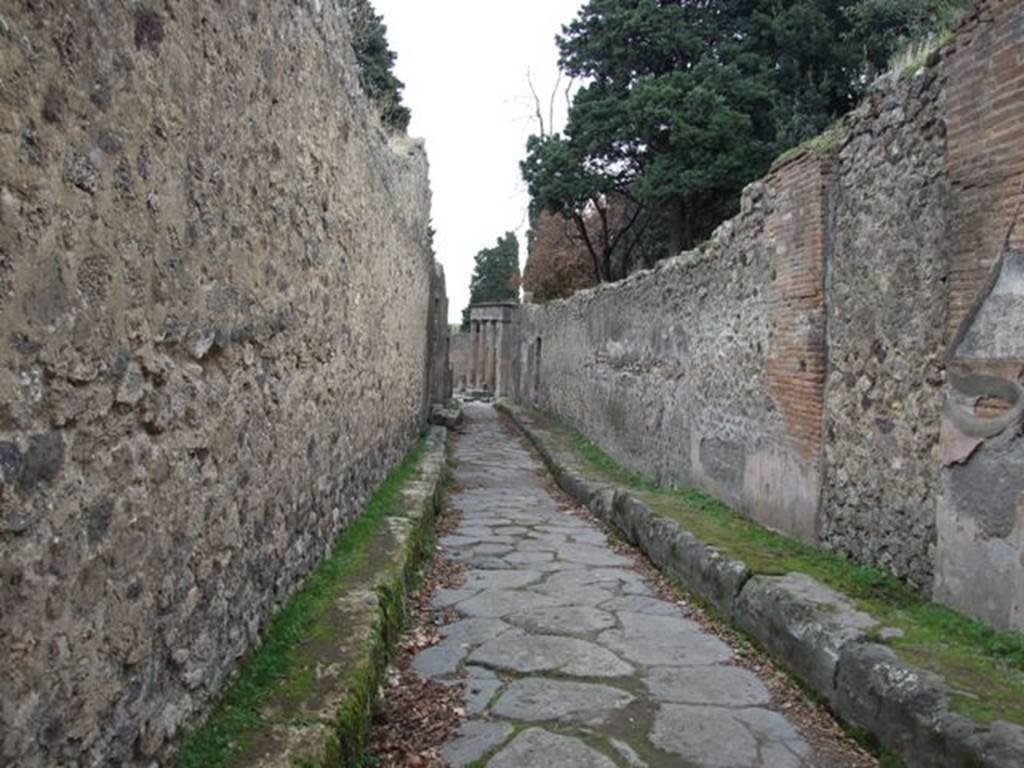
(808, 628)
(422, 498)
(332, 722)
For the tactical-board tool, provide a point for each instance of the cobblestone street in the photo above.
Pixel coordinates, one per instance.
(569, 657)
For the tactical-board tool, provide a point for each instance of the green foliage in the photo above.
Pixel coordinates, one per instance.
(683, 103)
(376, 63)
(496, 274)
(274, 668)
(985, 667)
(884, 27)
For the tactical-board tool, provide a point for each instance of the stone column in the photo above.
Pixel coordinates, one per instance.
(492, 371)
(500, 384)
(473, 376)
(485, 363)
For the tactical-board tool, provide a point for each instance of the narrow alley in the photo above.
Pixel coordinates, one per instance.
(568, 656)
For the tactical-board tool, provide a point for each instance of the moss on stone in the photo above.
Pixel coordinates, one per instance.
(322, 659)
(826, 143)
(984, 667)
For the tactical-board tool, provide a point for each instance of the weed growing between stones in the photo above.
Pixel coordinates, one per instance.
(984, 667)
(826, 143)
(275, 671)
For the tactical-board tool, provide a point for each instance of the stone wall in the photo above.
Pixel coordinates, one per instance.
(215, 295)
(887, 304)
(460, 355)
(980, 512)
(799, 365)
(708, 370)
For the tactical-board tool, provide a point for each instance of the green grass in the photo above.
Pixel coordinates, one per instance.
(984, 667)
(926, 51)
(827, 142)
(275, 668)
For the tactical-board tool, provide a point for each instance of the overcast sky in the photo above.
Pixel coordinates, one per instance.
(464, 65)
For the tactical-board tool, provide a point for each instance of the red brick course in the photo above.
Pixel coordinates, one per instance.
(985, 129)
(796, 364)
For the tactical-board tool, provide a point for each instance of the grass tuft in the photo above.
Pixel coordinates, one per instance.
(984, 667)
(276, 668)
(826, 143)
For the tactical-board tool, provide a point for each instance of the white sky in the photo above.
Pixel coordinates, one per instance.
(464, 65)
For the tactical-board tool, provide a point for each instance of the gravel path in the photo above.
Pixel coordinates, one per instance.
(568, 657)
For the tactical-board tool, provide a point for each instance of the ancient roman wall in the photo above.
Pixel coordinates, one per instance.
(887, 303)
(708, 370)
(800, 364)
(980, 513)
(215, 296)
(461, 359)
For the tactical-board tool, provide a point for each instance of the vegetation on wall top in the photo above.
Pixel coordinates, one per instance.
(376, 64)
(682, 103)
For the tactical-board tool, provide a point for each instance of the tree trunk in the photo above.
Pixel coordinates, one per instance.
(678, 218)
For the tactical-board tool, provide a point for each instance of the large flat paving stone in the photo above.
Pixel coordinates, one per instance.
(539, 700)
(571, 620)
(590, 595)
(716, 737)
(581, 576)
(474, 740)
(536, 748)
(506, 579)
(493, 604)
(474, 631)
(440, 660)
(526, 654)
(480, 686)
(656, 641)
(723, 686)
(641, 604)
(530, 558)
(587, 554)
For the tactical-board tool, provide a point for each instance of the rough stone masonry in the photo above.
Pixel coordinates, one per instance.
(816, 362)
(204, 237)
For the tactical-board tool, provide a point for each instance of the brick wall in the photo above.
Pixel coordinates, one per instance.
(980, 509)
(796, 362)
(985, 124)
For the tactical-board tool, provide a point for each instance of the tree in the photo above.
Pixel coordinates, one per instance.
(495, 276)
(686, 101)
(558, 264)
(376, 63)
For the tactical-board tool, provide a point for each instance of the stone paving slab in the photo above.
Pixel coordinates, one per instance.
(566, 656)
(808, 629)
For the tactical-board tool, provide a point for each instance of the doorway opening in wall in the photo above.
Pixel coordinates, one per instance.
(536, 368)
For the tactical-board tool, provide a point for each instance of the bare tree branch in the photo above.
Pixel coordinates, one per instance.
(551, 102)
(536, 102)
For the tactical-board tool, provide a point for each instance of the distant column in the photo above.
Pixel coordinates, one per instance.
(474, 368)
(500, 384)
(492, 369)
(485, 354)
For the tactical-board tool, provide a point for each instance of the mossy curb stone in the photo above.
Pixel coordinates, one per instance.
(810, 629)
(318, 711)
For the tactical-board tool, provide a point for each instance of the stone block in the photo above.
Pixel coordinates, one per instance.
(801, 623)
(907, 710)
(700, 568)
